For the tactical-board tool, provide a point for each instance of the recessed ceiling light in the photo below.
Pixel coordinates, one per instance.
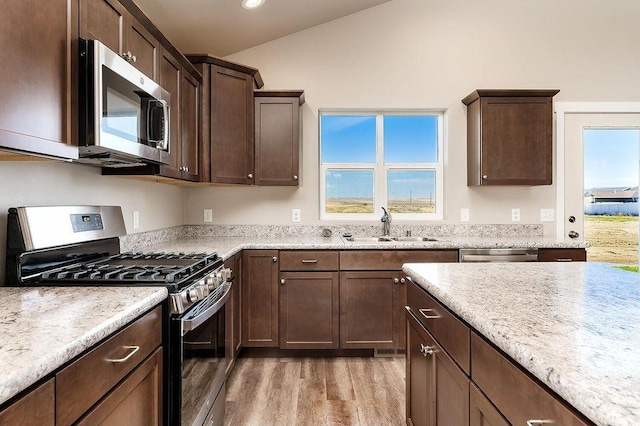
(252, 4)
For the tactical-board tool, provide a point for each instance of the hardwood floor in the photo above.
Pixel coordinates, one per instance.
(316, 391)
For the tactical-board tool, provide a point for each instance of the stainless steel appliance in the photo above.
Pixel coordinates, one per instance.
(124, 115)
(79, 245)
(499, 255)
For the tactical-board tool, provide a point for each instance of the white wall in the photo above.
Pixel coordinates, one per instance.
(431, 54)
(55, 183)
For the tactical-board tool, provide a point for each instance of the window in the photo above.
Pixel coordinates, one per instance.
(382, 159)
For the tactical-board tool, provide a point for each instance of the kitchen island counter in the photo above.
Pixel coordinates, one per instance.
(574, 326)
(42, 328)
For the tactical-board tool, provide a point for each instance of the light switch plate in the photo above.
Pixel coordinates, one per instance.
(515, 215)
(295, 215)
(208, 216)
(464, 215)
(547, 215)
(136, 219)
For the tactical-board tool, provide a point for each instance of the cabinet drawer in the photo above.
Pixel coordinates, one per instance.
(452, 334)
(105, 365)
(512, 391)
(562, 255)
(391, 260)
(305, 260)
(34, 409)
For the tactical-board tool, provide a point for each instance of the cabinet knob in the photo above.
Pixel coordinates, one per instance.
(402, 280)
(282, 281)
(250, 175)
(484, 177)
(274, 259)
(295, 177)
(396, 280)
(186, 169)
(181, 168)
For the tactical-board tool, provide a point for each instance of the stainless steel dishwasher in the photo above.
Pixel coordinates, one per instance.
(499, 255)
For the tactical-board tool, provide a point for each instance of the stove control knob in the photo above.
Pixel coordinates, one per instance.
(203, 289)
(211, 282)
(193, 295)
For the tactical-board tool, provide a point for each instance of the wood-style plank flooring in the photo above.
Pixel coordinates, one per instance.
(316, 391)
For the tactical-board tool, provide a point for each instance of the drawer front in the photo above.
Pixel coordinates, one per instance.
(562, 255)
(80, 385)
(452, 334)
(518, 397)
(391, 260)
(306, 260)
(34, 409)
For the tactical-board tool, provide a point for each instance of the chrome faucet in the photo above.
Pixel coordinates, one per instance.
(386, 223)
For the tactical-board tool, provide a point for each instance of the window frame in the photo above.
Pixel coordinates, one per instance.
(380, 169)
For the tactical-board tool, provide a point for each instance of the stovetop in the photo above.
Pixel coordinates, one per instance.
(137, 269)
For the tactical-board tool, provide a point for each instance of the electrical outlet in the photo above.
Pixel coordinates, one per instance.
(136, 219)
(464, 215)
(295, 215)
(515, 215)
(208, 216)
(546, 215)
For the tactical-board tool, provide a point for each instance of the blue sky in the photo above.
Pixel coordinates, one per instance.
(352, 139)
(611, 157)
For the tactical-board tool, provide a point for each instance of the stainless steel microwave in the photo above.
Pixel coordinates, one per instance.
(123, 114)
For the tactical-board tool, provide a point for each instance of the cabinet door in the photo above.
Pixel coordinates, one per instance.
(104, 20)
(136, 401)
(34, 409)
(144, 47)
(190, 136)
(231, 126)
(420, 376)
(452, 391)
(481, 410)
(277, 141)
(370, 312)
(260, 298)
(516, 140)
(38, 39)
(562, 255)
(309, 310)
(171, 80)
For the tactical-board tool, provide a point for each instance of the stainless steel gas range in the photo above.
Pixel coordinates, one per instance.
(80, 246)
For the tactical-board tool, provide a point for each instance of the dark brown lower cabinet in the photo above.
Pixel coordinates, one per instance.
(260, 298)
(562, 255)
(233, 331)
(36, 408)
(437, 390)
(481, 410)
(309, 310)
(135, 401)
(371, 309)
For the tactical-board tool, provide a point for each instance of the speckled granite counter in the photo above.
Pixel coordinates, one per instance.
(42, 328)
(573, 325)
(228, 246)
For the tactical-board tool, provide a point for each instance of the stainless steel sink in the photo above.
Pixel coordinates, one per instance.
(387, 239)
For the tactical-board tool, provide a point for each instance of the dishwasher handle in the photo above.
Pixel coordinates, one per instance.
(499, 255)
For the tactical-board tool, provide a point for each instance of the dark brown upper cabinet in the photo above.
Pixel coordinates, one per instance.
(111, 23)
(277, 137)
(36, 81)
(509, 137)
(228, 120)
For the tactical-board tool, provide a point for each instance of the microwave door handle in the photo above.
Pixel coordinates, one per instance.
(165, 122)
(191, 324)
(163, 141)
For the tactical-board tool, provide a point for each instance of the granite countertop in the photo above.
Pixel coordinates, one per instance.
(228, 246)
(575, 326)
(42, 328)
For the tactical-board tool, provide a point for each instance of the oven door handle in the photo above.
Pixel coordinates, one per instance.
(192, 323)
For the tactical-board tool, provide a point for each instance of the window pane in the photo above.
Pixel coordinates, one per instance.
(348, 139)
(411, 191)
(349, 191)
(410, 139)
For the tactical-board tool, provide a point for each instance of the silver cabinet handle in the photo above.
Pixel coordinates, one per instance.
(282, 281)
(274, 259)
(424, 311)
(426, 350)
(295, 177)
(134, 349)
(564, 259)
(309, 260)
(250, 175)
(539, 422)
(484, 177)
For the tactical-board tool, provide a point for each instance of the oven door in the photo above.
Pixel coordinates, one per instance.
(200, 374)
